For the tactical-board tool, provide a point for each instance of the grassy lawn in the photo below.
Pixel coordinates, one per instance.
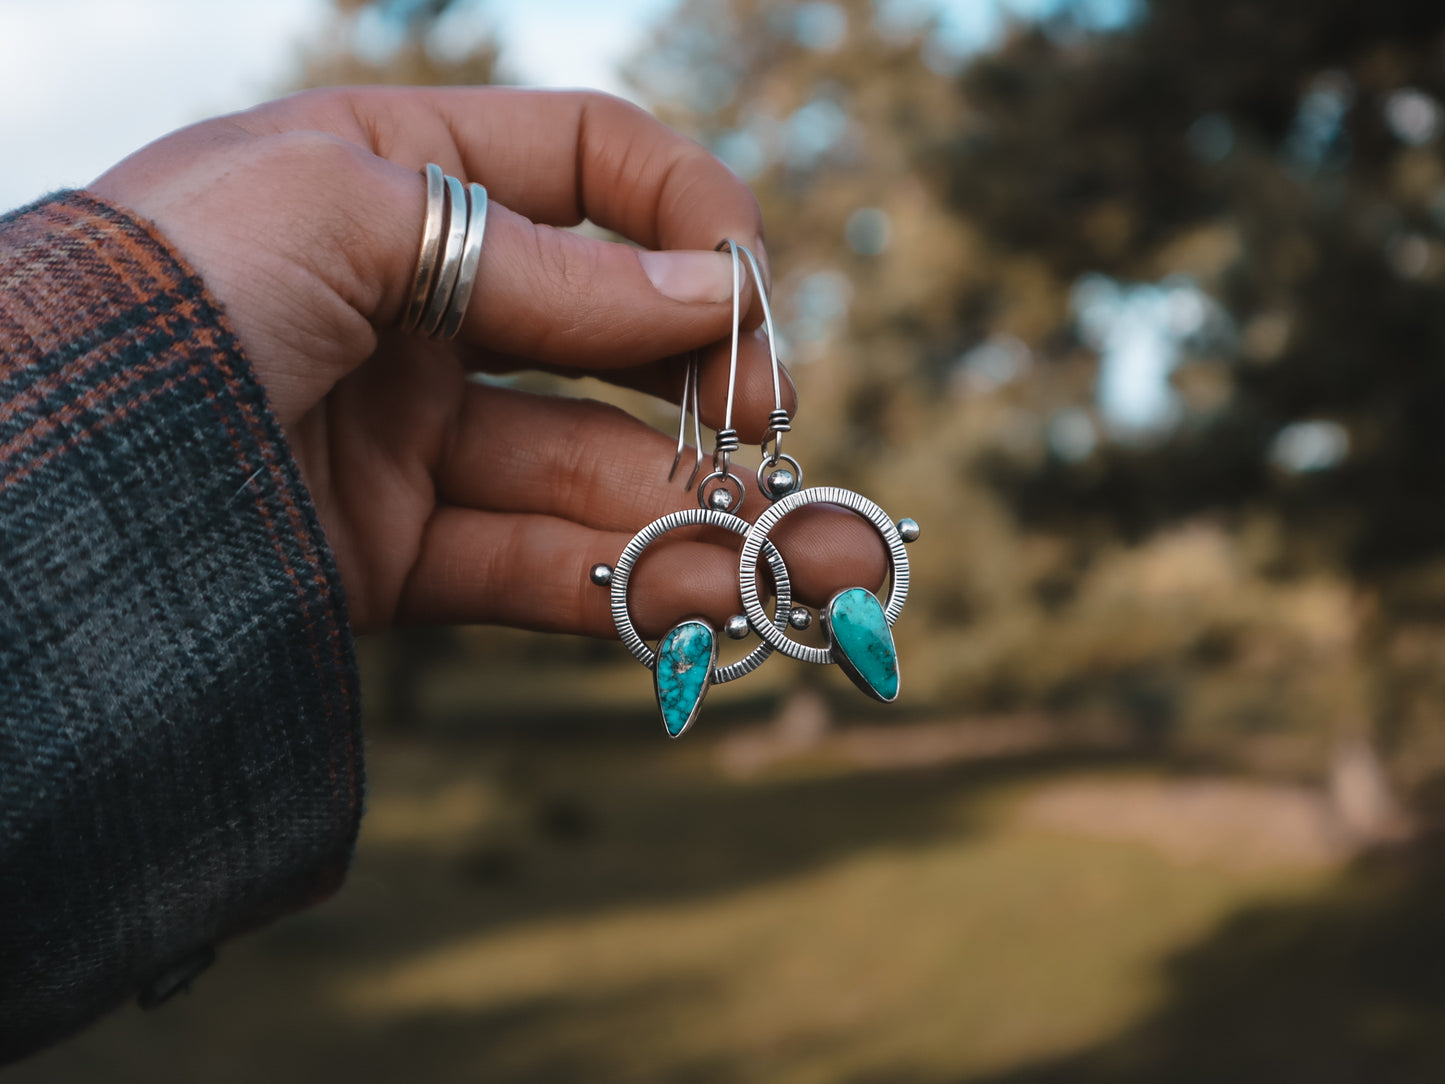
(610, 911)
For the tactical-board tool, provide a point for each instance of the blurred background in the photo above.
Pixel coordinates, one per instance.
(1136, 305)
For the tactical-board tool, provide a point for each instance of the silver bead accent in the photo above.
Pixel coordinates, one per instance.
(800, 618)
(737, 627)
(908, 530)
(720, 500)
(601, 575)
(781, 482)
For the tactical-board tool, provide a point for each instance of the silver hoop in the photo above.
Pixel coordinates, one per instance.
(692, 517)
(757, 538)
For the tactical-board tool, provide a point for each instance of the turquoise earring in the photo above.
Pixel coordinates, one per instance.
(858, 626)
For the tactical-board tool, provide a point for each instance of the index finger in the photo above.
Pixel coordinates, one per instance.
(557, 157)
(547, 294)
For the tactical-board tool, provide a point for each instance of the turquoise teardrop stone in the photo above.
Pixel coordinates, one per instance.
(863, 642)
(685, 660)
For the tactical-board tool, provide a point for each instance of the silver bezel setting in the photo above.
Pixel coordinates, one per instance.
(712, 669)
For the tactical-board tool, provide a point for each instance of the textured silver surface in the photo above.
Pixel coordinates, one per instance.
(692, 517)
(772, 633)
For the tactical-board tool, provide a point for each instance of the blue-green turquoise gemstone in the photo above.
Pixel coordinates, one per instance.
(863, 642)
(685, 659)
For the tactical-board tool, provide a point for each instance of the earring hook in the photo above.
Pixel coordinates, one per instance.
(722, 497)
(691, 378)
(774, 484)
(727, 436)
(778, 412)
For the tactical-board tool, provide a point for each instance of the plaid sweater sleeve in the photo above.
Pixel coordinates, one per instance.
(180, 753)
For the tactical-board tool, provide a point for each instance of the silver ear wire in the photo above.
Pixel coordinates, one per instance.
(727, 437)
(721, 498)
(778, 410)
(774, 479)
(691, 378)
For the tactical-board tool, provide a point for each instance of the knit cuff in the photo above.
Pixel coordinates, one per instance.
(180, 749)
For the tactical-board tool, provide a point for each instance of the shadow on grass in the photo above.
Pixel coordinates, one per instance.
(597, 837)
(1345, 988)
(1347, 985)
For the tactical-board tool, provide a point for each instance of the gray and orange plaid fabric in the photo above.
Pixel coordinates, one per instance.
(180, 748)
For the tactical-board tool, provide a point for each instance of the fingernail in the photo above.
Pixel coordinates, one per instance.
(689, 276)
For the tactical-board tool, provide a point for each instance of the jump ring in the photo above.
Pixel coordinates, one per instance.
(777, 440)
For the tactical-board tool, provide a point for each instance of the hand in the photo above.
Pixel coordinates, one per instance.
(444, 499)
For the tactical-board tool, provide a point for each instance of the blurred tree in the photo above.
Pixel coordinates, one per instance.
(1278, 169)
(1135, 307)
(1186, 266)
(402, 42)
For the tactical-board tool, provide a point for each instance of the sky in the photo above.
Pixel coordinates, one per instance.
(85, 82)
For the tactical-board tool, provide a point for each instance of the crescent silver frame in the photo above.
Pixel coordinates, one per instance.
(692, 517)
(757, 537)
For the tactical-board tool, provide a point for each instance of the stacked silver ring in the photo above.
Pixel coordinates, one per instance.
(451, 247)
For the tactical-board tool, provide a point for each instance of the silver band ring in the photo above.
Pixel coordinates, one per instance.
(691, 517)
(471, 256)
(451, 266)
(757, 537)
(431, 240)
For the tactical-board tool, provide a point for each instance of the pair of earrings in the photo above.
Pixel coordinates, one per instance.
(858, 626)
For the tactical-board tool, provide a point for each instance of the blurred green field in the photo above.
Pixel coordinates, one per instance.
(638, 911)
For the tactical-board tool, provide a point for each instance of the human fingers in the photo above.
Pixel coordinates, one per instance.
(531, 571)
(548, 294)
(309, 234)
(598, 467)
(308, 238)
(665, 379)
(557, 157)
